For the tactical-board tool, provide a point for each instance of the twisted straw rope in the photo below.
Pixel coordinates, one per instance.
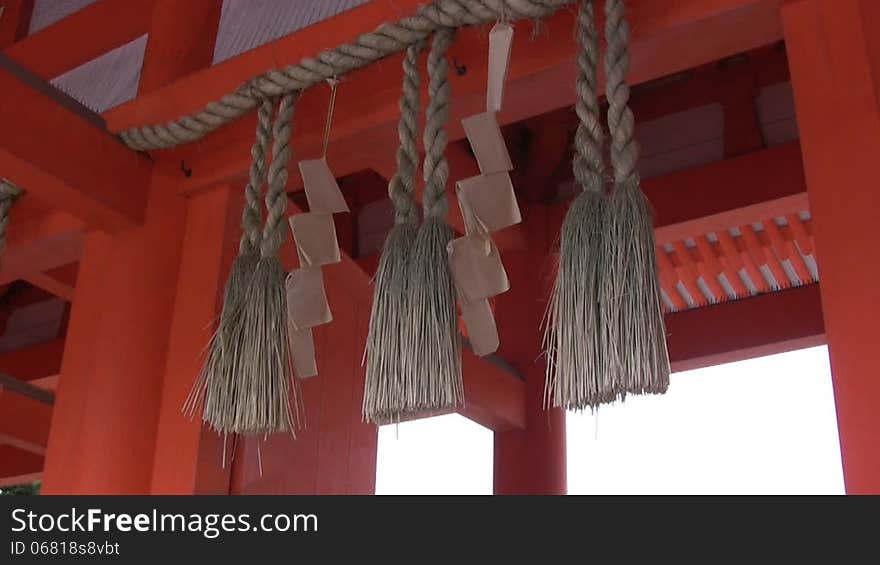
(636, 356)
(436, 168)
(575, 336)
(589, 163)
(274, 229)
(252, 215)
(621, 123)
(387, 39)
(401, 189)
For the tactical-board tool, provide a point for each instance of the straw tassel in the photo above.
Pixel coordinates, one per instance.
(260, 348)
(434, 342)
(574, 338)
(216, 384)
(385, 387)
(640, 361)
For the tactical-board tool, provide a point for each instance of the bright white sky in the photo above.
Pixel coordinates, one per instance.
(755, 427)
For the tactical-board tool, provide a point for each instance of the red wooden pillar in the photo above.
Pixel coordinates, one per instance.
(188, 457)
(103, 429)
(104, 425)
(531, 461)
(834, 55)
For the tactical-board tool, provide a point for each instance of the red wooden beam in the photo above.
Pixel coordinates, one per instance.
(365, 124)
(168, 57)
(24, 422)
(762, 176)
(33, 362)
(18, 467)
(15, 18)
(493, 398)
(82, 36)
(41, 243)
(50, 285)
(724, 194)
(746, 328)
(58, 156)
(60, 281)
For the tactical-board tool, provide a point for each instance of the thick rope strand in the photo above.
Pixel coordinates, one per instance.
(589, 161)
(387, 39)
(252, 215)
(214, 388)
(275, 228)
(385, 384)
(266, 399)
(621, 123)
(433, 364)
(401, 189)
(435, 169)
(637, 359)
(573, 338)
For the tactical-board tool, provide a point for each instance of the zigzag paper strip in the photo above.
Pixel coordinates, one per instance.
(314, 234)
(488, 203)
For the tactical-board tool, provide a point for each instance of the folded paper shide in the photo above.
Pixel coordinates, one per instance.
(488, 203)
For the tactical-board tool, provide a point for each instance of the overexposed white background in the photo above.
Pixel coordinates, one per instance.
(762, 426)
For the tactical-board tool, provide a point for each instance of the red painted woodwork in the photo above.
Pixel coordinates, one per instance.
(834, 57)
(18, 466)
(188, 457)
(748, 180)
(40, 243)
(115, 352)
(169, 57)
(82, 36)
(336, 452)
(14, 21)
(495, 399)
(59, 281)
(62, 159)
(119, 335)
(745, 329)
(529, 461)
(50, 284)
(24, 422)
(33, 362)
(366, 124)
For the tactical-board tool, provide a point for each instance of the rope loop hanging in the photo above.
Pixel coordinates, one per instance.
(387, 39)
